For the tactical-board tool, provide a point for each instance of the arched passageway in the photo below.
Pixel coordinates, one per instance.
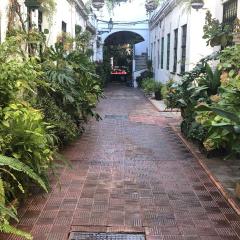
(123, 37)
(120, 52)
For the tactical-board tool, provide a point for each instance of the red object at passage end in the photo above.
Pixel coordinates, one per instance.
(118, 73)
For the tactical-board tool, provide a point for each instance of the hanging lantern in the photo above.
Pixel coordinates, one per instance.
(110, 25)
(151, 5)
(197, 4)
(98, 4)
(32, 4)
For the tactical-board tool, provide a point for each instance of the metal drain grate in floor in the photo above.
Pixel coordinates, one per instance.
(116, 117)
(105, 236)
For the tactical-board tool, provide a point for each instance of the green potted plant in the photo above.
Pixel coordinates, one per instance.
(150, 86)
(33, 4)
(158, 90)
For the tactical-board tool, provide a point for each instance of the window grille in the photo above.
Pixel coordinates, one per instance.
(168, 50)
(184, 48)
(158, 52)
(175, 50)
(40, 20)
(64, 27)
(230, 11)
(151, 51)
(162, 52)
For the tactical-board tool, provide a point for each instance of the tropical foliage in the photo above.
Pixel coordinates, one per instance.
(216, 33)
(209, 96)
(47, 95)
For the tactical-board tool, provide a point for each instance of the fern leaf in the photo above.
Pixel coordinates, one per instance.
(2, 192)
(17, 165)
(14, 178)
(7, 228)
(5, 211)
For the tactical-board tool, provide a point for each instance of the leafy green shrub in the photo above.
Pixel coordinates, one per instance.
(44, 100)
(209, 102)
(64, 128)
(24, 136)
(194, 88)
(222, 117)
(8, 170)
(17, 80)
(75, 84)
(148, 85)
(144, 75)
(103, 70)
(170, 96)
(229, 59)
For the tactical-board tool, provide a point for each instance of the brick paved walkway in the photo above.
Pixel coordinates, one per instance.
(130, 172)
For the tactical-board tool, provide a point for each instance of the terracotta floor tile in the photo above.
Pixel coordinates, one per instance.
(130, 170)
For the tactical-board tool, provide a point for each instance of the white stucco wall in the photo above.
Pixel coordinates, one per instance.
(65, 11)
(4, 16)
(196, 46)
(3, 19)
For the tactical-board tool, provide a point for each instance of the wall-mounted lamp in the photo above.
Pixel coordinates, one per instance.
(110, 24)
(197, 4)
(98, 4)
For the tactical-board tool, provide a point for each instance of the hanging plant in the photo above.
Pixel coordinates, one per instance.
(32, 4)
(151, 5)
(46, 5)
(98, 4)
(216, 33)
(116, 2)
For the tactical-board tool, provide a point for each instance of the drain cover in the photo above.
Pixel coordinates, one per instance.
(105, 236)
(117, 117)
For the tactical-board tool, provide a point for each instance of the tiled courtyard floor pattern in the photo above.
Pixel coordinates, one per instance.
(131, 171)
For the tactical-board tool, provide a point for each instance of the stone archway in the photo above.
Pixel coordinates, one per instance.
(123, 37)
(138, 39)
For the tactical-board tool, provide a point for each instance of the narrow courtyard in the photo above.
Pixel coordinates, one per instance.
(131, 173)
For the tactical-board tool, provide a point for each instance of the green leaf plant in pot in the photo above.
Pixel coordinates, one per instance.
(157, 90)
(33, 4)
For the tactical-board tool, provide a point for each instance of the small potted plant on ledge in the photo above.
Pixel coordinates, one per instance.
(158, 90)
(150, 87)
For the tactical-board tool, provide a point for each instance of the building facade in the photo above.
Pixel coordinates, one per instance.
(176, 32)
(67, 15)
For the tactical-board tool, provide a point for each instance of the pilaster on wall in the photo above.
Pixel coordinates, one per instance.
(238, 9)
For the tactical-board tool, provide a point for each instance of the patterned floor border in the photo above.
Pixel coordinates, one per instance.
(216, 182)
